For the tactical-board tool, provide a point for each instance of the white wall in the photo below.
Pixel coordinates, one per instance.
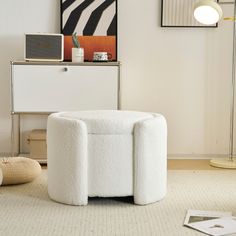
(183, 73)
(17, 18)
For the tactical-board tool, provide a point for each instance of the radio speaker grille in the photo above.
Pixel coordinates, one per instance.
(43, 47)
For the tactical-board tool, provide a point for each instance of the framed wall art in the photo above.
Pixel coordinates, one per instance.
(94, 21)
(179, 13)
(226, 1)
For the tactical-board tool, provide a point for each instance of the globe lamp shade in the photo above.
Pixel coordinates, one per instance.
(207, 12)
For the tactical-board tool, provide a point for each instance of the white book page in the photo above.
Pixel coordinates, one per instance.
(193, 216)
(216, 227)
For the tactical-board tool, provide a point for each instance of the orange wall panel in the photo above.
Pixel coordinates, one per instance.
(91, 44)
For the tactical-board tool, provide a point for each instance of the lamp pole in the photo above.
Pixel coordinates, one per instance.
(221, 162)
(201, 15)
(231, 141)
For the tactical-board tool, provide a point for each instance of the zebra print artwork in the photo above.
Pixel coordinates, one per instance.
(94, 21)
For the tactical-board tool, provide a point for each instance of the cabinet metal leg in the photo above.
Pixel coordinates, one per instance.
(19, 142)
(13, 134)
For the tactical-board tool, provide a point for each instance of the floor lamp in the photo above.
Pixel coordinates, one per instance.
(209, 12)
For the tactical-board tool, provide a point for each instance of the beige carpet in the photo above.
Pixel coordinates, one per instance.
(27, 210)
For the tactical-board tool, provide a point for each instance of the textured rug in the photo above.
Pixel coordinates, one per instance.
(27, 210)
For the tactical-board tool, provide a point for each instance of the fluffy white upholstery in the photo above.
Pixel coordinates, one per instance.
(108, 121)
(67, 165)
(106, 153)
(110, 165)
(150, 162)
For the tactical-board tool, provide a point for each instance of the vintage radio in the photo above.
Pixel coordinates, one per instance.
(44, 47)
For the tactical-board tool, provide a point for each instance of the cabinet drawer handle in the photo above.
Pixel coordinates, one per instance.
(65, 69)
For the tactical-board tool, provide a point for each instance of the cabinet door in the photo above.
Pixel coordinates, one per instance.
(49, 88)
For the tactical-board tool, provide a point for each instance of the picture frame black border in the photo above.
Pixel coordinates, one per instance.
(116, 59)
(183, 26)
(226, 2)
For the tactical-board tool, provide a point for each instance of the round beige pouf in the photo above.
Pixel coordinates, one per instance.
(18, 170)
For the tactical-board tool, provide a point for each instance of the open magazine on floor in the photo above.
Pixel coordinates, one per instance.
(214, 223)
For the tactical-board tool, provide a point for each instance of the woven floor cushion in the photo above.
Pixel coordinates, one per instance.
(18, 170)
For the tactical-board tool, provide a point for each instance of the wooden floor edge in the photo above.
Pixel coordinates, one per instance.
(186, 164)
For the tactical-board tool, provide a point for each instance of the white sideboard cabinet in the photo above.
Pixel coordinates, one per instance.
(46, 87)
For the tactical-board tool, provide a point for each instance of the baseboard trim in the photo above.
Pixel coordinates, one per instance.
(195, 156)
(170, 156)
(6, 154)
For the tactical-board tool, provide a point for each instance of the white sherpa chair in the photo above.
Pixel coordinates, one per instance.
(106, 154)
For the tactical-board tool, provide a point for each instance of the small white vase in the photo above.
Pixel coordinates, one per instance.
(77, 55)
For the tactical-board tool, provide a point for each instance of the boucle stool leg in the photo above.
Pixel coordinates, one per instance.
(67, 160)
(150, 160)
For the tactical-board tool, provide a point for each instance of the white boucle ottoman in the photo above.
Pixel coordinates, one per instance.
(106, 154)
